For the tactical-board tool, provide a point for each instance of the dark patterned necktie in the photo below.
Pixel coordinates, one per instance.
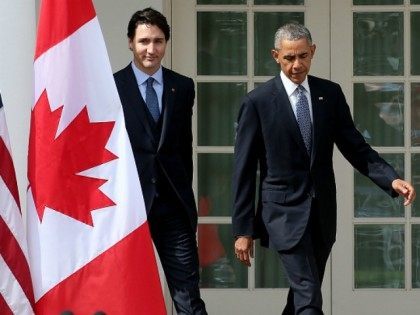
(304, 118)
(152, 100)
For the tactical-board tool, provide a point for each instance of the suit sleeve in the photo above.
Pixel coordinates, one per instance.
(186, 143)
(359, 153)
(248, 140)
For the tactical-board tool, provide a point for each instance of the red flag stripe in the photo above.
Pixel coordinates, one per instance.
(4, 308)
(131, 272)
(64, 18)
(16, 260)
(7, 171)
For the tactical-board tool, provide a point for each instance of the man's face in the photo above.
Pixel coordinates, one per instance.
(294, 58)
(148, 46)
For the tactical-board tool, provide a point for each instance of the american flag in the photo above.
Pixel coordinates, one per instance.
(16, 292)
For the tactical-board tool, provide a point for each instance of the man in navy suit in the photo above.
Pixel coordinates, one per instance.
(288, 126)
(157, 104)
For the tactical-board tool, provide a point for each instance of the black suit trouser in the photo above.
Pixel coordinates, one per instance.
(305, 265)
(176, 245)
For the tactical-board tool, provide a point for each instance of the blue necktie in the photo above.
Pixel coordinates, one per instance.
(152, 100)
(304, 118)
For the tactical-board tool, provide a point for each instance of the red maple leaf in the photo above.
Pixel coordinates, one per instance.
(54, 162)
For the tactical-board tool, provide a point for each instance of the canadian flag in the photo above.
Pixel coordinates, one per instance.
(89, 244)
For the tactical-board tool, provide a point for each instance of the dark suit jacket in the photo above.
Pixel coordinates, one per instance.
(171, 155)
(268, 135)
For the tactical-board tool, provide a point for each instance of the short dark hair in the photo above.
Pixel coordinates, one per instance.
(148, 16)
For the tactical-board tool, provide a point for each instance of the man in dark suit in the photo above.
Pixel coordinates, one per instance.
(157, 105)
(288, 126)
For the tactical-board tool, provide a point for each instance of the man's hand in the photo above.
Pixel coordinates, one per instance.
(404, 189)
(244, 249)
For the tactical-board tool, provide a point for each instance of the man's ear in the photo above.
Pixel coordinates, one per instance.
(275, 54)
(130, 44)
(313, 48)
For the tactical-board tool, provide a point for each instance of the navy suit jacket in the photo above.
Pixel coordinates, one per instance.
(172, 154)
(268, 135)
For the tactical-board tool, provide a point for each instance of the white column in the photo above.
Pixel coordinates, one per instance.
(17, 40)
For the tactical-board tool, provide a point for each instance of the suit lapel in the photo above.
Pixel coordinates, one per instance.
(137, 104)
(286, 111)
(168, 99)
(317, 99)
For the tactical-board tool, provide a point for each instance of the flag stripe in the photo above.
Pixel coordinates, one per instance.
(4, 308)
(15, 259)
(64, 18)
(7, 171)
(130, 284)
(12, 292)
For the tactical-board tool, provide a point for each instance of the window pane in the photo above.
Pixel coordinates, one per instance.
(415, 167)
(416, 255)
(218, 265)
(220, 34)
(280, 2)
(415, 1)
(378, 43)
(214, 184)
(377, 2)
(415, 43)
(379, 256)
(379, 112)
(221, 1)
(371, 201)
(269, 271)
(415, 114)
(266, 25)
(218, 106)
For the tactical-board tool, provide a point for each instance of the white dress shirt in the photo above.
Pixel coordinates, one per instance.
(291, 90)
(142, 77)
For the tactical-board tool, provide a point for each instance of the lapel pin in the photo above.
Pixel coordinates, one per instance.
(321, 98)
(173, 89)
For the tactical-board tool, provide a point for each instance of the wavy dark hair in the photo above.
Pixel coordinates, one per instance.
(148, 16)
